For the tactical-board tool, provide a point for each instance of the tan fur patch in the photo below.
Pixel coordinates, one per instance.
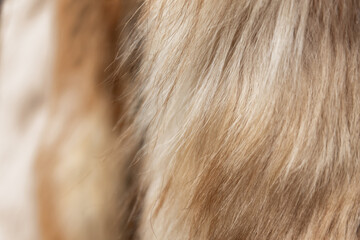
(252, 117)
(233, 119)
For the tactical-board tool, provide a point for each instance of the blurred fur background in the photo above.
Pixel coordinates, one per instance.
(161, 119)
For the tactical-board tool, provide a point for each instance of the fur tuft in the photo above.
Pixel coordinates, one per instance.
(251, 113)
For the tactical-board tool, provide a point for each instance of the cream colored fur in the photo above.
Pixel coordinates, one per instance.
(26, 62)
(251, 113)
(232, 119)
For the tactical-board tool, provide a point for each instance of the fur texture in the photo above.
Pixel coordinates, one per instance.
(251, 113)
(78, 178)
(232, 119)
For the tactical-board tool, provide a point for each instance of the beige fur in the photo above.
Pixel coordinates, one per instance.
(232, 119)
(26, 62)
(78, 177)
(251, 112)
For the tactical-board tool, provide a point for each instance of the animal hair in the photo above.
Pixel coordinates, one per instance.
(237, 119)
(249, 113)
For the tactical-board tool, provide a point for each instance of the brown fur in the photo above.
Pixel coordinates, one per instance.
(241, 122)
(76, 199)
(251, 111)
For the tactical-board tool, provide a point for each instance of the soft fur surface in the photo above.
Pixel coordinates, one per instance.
(26, 62)
(78, 179)
(251, 117)
(232, 119)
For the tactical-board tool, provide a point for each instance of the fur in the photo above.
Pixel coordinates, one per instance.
(26, 61)
(76, 174)
(250, 113)
(233, 119)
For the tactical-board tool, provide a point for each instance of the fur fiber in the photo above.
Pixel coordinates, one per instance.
(251, 117)
(231, 119)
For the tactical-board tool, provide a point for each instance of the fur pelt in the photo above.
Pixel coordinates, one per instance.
(203, 119)
(249, 115)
